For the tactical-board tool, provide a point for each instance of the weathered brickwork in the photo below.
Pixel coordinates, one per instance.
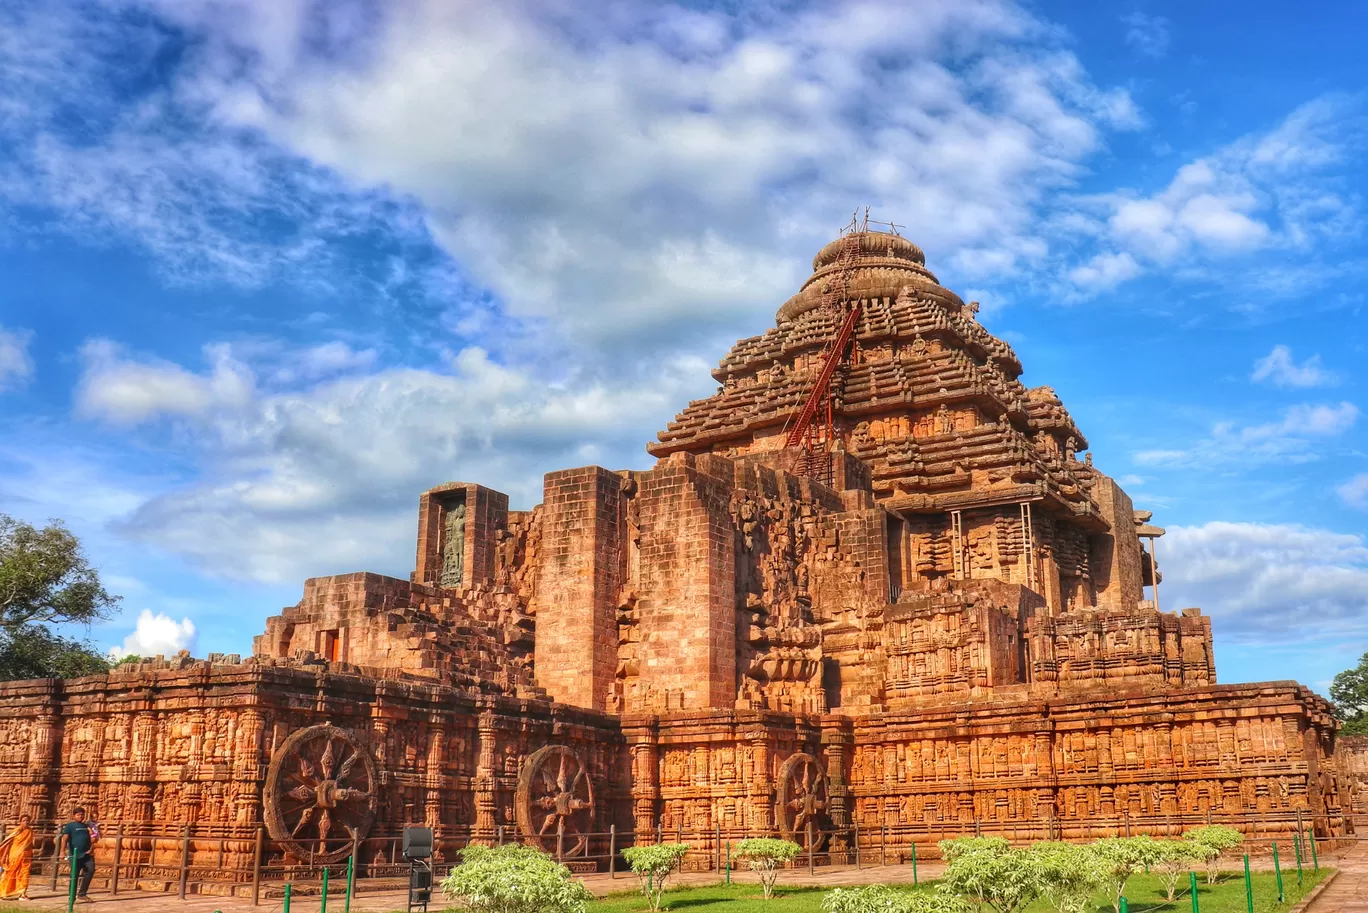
(950, 631)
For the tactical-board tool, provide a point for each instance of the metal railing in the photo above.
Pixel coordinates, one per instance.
(247, 862)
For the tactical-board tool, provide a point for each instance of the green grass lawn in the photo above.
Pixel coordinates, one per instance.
(1144, 892)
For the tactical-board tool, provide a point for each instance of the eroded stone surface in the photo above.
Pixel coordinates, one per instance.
(948, 632)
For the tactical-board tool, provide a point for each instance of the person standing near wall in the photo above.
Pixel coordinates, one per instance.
(16, 857)
(77, 840)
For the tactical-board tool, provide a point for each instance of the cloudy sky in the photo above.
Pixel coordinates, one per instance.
(269, 269)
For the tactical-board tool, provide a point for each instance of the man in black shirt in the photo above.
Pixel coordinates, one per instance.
(76, 840)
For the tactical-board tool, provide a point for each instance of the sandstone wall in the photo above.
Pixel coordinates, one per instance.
(171, 744)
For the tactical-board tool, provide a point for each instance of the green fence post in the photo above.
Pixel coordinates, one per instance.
(323, 906)
(1296, 844)
(1125, 905)
(288, 888)
(351, 881)
(1249, 887)
(1192, 884)
(914, 861)
(71, 889)
(1277, 870)
(1311, 839)
(728, 862)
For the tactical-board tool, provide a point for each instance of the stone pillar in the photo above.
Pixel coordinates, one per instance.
(485, 778)
(579, 585)
(762, 785)
(688, 585)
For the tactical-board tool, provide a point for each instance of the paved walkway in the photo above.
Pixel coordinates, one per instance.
(1349, 892)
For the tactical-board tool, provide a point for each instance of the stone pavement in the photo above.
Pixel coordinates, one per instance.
(1349, 892)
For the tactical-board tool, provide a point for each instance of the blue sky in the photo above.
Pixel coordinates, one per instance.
(268, 270)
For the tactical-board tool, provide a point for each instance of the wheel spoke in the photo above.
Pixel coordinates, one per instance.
(327, 759)
(347, 765)
(303, 822)
(560, 777)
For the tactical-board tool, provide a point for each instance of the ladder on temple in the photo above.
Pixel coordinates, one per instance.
(816, 438)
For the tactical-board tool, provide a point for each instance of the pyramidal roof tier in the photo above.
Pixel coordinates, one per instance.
(931, 400)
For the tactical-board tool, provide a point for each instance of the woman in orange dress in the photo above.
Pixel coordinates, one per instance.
(16, 855)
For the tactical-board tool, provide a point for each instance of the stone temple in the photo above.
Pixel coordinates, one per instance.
(934, 621)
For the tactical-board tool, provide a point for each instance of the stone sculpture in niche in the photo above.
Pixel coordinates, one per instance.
(453, 544)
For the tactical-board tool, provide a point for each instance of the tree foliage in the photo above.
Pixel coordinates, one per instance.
(514, 879)
(765, 856)
(1216, 838)
(1122, 857)
(1179, 858)
(45, 579)
(32, 651)
(1349, 692)
(989, 873)
(878, 898)
(653, 866)
(1069, 875)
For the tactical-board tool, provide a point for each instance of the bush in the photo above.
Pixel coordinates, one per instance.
(1217, 838)
(765, 855)
(1069, 875)
(1122, 857)
(514, 879)
(877, 898)
(961, 845)
(1179, 858)
(653, 866)
(990, 873)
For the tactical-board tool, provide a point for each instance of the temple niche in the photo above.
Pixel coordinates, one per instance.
(945, 619)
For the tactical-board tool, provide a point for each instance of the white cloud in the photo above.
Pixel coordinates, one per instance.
(1148, 35)
(156, 635)
(1105, 271)
(322, 479)
(1289, 439)
(126, 392)
(1304, 420)
(1263, 191)
(16, 365)
(1278, 368)
(1355, 491)
(645, 172)
(1297, 583)
(324, 360)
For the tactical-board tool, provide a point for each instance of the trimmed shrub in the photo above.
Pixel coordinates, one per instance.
(765, 855)
(653, 866)
(514, 879)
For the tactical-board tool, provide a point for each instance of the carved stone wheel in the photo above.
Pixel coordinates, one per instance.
(555, 795)
(321, 793)
(804, 796)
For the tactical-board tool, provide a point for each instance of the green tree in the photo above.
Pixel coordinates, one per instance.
(1122, 857)
(990, 873)
(1349, 692)
(653, 866)
(514, 879)
(1216, 838)
(45, 579)
(1069, 875)
(765, 855)
(1179, 858)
